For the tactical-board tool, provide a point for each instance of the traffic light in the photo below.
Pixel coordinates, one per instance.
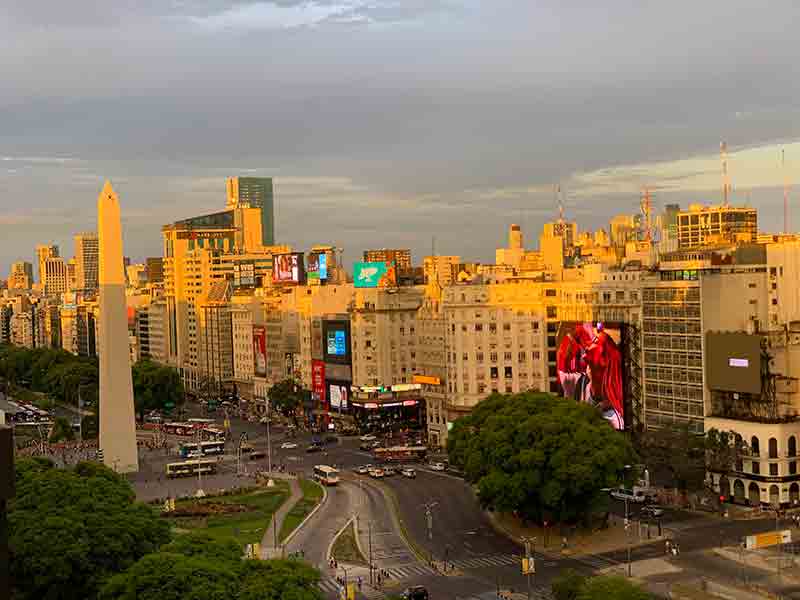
(722, 499)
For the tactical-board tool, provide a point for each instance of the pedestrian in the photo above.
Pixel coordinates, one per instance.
(359, 584)
(667, 547)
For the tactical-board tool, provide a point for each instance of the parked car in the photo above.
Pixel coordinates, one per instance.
(363, 469)
(368, 438)
(314, 448)
(288, 445)
(389, 470)
(416, 592)
(651, 511)
(195, 454)
(437, 466)
(409, 472)
(376, 473)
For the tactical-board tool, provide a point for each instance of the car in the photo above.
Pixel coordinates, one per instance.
(376, 473)
(416, 592)
(389, 470)
(368, 438)
(288, 445)
(437, 466)
(409, 472)
(651, 511)
(314, 448)
(629, 495)
(195, 454)
(363, 469)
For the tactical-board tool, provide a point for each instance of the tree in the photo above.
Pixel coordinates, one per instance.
(538, 455)
(567, 585)
(723, 448)
(62, 431)
(611, 588)
(675, 450)
(286, 397)
(155, 387)
(202, 568)
(72, 529)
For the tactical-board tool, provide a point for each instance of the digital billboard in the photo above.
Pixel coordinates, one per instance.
(374, 275)
(733, 362)
(318, 381)
(317, 268)
(288, 268)
(336, 341)
(260, 351)
(337, 395)
(589, 364)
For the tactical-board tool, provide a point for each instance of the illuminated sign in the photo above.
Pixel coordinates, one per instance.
(374, 275)
(409, 402)
(202, 235)
(288, 268)
(738, 362)
(429, 380)
(260, 351)
(406, 387)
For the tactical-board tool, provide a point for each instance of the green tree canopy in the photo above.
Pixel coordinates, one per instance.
(675, 450)
(570, 585)
(155, 387)
(286, 397)
(538, 455)
(201, 568)
(72, 529)
(62, 430)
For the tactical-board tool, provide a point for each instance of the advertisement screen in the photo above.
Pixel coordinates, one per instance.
(260, 350)
(374, 275)
(733, 362)
(337, 395)
(288, 268)
(336, 341)
(323, 266)
(318, 380)
(589, 363)
(317, 268)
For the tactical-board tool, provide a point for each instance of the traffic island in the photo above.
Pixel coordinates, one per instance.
(345, 548)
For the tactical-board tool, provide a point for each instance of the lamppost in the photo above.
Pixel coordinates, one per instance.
(345, 579)
(531, 561)
(429, 506)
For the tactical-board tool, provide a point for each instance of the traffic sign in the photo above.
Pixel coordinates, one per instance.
(764, 540)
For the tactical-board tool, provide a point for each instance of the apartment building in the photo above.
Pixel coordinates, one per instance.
(701, 225)
(442, 269)
(54, 276)
(87, 261)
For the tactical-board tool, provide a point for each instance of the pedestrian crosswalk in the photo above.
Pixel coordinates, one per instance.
(332, 589)
(596, 562)
(480, 562)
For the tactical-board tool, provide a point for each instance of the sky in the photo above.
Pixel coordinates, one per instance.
(390, 123)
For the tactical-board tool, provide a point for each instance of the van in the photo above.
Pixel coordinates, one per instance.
(635, 495)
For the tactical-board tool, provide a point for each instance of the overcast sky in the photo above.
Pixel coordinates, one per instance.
(386, 122)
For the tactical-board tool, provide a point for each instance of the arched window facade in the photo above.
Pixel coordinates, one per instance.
(773, 448)
(754, 446)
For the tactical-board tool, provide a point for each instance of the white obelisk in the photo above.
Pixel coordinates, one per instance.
(117, 421)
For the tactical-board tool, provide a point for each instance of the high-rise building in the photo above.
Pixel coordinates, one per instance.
(54, 276)
(86, 261)
(43, 252)
(21, 277)
(254, 192)
(714, 224)
(155, 269)
(442, 269)
(72, 278)
(400, 256)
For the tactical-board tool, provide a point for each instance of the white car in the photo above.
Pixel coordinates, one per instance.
(368, 438)
(437, 466)
(288, 446)
(409, 472)
(376, 473)
(195, 454)
(630, 495)
(363, 469)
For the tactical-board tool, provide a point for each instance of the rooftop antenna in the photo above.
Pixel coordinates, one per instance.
(785, 192)
(559, 199)
(726, 186)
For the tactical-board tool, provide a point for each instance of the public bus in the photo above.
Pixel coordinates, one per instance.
(326, 475)
(188, 468)
(401, 454)
(205, 448)
(178, 428)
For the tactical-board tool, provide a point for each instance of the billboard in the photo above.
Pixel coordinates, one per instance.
(260, 351)
(336, 341)
(318, 381)
(338, 395)
(589, 364)
(374, 275)
(733, 362)
(288, 268)
(317, 268)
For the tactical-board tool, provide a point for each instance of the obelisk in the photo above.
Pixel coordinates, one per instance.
(117, 421)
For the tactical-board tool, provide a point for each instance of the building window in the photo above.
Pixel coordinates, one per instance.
(756, 467)
(478, 326)
(792, 446)
(509, 373)
(479, 357)
(773, 469)
(507, 356)
(493, 357)
(793, 467)
(465, 356)
(492, 328)
(754, 446)
(509, 389)
(493, 372)
(506, 326)
(773, 448)
(521, 357)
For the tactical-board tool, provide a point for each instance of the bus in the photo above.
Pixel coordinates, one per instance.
(188, 468)
(205, 448)
(326, 475)
(177, 428)
(401, 454)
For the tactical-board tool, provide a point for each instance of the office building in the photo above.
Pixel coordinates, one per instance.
(54, 276)
(87, 263)
(700, 225)
(442, 269)
(21, 276)
(254, 192)
(400, 256)
(43, 252)
(155, 270)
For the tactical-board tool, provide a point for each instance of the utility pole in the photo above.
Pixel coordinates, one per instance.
(628, 534)
(428, 506)
(530, 560)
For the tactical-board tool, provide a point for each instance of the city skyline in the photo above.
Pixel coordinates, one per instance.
(467, 133)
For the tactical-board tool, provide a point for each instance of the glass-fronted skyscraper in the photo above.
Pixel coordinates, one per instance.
(255, 192)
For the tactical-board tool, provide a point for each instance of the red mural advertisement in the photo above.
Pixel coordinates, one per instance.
(318, 381)
(260, 351)
(589, 362)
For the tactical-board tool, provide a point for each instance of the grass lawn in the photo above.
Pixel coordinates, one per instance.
(345, 548)
(312, 494)
(247, 526)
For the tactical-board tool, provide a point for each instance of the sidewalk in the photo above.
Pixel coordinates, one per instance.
(270, 543)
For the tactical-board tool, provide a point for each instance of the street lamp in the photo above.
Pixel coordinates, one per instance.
(531, 558)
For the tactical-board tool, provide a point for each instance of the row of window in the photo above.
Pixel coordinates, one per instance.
(507, 356)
